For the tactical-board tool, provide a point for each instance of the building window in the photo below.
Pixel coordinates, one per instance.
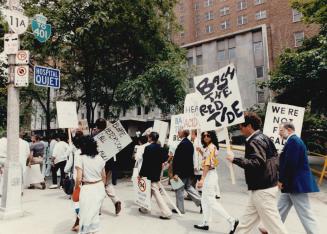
(181, 7)
(297, 16)
(208, 3)
(231, 53)
(139, 110)
(199, 60)
(257, 47)
(259, 71)
(241, 5)
(208, 16)
(209, 29)
(190, 61)
(83, 116)
(146, 110)
(182, 33)
(197, 19)
(181, 20)
(224, 11)
(298, 38)
(258, 2)
(242, 19)
(261, 15)
(221, 55)
(261, 97)
(197, 32)
(225, 25)
(190, 83)
(196, 6)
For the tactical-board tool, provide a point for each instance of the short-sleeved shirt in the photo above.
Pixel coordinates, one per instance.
(91, 166)
(210, 156)
(37, 149)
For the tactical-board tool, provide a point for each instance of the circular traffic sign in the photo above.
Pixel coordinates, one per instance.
(21, 55)
(142, 185)
(21, 71)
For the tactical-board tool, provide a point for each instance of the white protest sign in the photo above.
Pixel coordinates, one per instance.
(191, 111)
(112, 140)
(161, 127)
(142, 189)
(176, 123)
(220, 104)
(67, 114)
(279, 113)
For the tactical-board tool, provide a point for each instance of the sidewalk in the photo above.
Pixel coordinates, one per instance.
(51, 212)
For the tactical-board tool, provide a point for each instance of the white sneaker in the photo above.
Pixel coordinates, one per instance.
(54, 186)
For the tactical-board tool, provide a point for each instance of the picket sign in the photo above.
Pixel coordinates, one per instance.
(142, 189)
(161, 127)
(168, 198)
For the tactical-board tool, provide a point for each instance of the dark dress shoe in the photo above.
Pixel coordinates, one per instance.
(201, 211)
(217, 197)
(164, 217)
(174, 211)
(202, 227)
(235, 226)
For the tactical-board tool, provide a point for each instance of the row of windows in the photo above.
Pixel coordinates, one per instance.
(241, 4)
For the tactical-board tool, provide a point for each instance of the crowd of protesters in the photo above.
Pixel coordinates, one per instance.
(193, 161)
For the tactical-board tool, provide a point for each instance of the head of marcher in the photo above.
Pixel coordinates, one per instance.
(286, 129)
(209, 137)
(88, 146)
(153, 137)
(100, 125)
(252, 123)
(77, 138)
(183, 133)
(35, 138)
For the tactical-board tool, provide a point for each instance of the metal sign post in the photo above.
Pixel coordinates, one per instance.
(11, 201)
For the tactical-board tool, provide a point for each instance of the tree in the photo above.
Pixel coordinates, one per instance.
(108, 49)
(300, 75)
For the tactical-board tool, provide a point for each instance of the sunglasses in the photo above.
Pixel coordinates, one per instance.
(206, 135)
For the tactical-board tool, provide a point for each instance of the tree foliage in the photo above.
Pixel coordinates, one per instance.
(110, 51)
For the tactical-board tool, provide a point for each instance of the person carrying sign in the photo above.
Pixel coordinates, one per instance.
(261, 174)
(153, 158)
(100, 125)
(183, 168)
(209, 182)
(295, 179)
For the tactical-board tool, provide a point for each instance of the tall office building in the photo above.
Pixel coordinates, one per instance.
(249, 33)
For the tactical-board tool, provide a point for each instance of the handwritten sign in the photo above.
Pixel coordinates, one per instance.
(279, 113)
(67, 114)
(142, 189)
(161, 127)
(112, 140)
(220, 104)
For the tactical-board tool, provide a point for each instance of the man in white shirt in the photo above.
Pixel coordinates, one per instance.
(59, 159)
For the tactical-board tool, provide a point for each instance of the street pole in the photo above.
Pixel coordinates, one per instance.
(11, 201)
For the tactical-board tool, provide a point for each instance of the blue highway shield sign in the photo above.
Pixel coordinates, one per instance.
(47, 77)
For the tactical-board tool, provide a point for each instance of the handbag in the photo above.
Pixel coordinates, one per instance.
(69, 182)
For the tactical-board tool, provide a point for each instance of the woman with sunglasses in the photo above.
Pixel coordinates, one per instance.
(209, 181)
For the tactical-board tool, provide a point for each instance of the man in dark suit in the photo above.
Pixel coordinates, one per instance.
(153, 158)
(183, 168)
(295, 179)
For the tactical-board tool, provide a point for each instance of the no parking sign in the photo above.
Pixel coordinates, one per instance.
(21, 76)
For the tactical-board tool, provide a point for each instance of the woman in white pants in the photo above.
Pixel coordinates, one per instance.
(209, 181)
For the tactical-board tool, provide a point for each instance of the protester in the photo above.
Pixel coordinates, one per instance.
(143, 140)
(295, 180)
(183, 168)
(33, 173)
(73, 153)
(53, 142)
(261, 170)
(209, 181)
(46, 156)
(101, 125)
(59, 160)
(153, 158)
(91, 174)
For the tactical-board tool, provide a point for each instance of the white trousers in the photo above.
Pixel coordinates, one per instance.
(208, 200)
(262, 206)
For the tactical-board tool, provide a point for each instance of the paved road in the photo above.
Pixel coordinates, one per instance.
(50, 212)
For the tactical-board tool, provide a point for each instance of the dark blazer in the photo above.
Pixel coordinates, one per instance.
(294, 170)
(260, 162)
(183, 165)
(153, 157)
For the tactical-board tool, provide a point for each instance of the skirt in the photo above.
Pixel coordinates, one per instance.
(90, 201)
(33, 175)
